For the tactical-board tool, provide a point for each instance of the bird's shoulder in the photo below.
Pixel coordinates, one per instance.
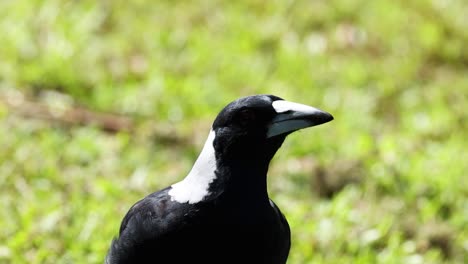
(148, 223)
(280, 216)
(284, 233)
(154, 215)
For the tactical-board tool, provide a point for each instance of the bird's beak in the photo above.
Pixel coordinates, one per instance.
(293, 116)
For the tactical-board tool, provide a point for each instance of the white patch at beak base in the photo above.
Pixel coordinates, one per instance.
(282, 106)
(293, 116)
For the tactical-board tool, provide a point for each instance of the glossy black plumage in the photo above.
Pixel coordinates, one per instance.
(234, 221)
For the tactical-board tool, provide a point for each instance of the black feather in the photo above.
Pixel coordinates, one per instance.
(235, 222)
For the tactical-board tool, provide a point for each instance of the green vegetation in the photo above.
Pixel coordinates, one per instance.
(384, 183)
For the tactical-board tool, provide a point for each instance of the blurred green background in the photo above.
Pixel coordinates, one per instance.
(103, 102)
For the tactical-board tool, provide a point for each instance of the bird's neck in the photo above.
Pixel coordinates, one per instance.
(241, 181)
(241, 175)
(194, 188)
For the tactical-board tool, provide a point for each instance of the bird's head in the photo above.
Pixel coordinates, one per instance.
(251, 129)
(245, 136)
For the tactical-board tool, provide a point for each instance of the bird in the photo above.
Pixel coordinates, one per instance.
(220, 212)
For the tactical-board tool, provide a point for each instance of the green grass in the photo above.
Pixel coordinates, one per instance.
(385, 182)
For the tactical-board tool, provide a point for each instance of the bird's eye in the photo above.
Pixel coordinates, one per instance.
(245, 117)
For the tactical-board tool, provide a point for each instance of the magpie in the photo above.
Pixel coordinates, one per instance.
(220, 212)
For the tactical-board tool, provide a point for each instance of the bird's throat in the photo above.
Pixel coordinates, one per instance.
(209, 179)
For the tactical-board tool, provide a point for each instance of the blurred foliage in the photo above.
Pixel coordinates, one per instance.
(383, 183)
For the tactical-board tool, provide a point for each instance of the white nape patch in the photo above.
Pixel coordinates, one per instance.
(195, 186)
(282, 106)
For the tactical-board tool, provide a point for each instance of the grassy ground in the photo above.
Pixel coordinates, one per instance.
(385, 182)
